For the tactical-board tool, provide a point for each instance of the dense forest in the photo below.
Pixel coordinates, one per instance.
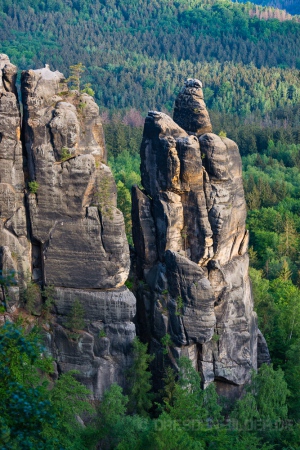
(137, 55)
(34, 413)
(291, 6)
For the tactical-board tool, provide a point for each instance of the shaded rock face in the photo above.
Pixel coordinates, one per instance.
(14, 245)
(101, 353)
(190, 111)
(69, 235)
(191, 246)
(78, 234)
(73, 216)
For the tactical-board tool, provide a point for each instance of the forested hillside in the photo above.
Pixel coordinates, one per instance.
(291, 6)
(137, 55)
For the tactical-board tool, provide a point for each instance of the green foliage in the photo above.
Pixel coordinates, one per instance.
(7, 279)
(68, 399)
(25, 406)
(76, 72)
(139, 378)
(216, 337)
(33, 186)
(179, 305)
(32, 297)
(113, 429)
(65, 154)
(31, 414)
(124, 204)
(75, 319)
(168, 392)
(102, 333)
(88, 90)
(264, 403)
(48, 296)
(103, 196)
(291, 6)
(166, 342)
(132, 61)
(126, 170)
(129, 284)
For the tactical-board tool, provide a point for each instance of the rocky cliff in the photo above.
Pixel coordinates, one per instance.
(191, 247)
(14, 243)
(63, 239)
(70, 238)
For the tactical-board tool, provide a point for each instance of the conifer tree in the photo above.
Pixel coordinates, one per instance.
(76, 72)
(76, 317)
(139, 376)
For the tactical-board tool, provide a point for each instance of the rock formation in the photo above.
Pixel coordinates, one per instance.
(79, 246)
(14, 244)
(62, 231)
(191, 246)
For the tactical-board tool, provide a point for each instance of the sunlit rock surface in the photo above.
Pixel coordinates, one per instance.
(14, 244)
(191, 245)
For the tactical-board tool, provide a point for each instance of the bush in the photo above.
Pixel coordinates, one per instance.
(33, 186)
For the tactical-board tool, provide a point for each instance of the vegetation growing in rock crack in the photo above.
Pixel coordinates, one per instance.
(33, 186)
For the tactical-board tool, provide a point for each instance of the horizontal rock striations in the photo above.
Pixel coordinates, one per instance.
(191, 245)
(73, 216)
(14, 244)
(78, 236)
(62, 231)
(190, 110)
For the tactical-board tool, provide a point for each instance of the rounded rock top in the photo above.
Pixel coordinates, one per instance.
(47, 74)
(4, 59)
(193, 83)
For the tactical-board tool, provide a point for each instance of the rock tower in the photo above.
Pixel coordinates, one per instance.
(191, 247)
(60, 227)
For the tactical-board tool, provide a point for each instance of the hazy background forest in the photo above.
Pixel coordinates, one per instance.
(137, 55)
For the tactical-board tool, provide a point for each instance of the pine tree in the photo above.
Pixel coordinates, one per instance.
(139, 376)
(169, 388)
(76, 317)
(76, 72)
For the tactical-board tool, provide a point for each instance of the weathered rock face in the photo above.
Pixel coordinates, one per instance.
(191, 244)
(73, 214)
(14, 245)
(190, 111)
(68, 235)
(102, 352)
(78, 236)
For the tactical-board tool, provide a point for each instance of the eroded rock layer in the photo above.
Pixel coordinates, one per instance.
(79, 247)
(14, 245)
(191, 244)
(74, 220)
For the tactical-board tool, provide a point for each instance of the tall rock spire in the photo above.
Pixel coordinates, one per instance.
(79, 246)
(191, 244)
(14, 244)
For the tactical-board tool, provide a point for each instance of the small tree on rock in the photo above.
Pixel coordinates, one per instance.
(76, 317)
(76, 72)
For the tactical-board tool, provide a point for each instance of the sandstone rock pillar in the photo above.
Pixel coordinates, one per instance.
(193, 208)
(14, 244)
(77, 232)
